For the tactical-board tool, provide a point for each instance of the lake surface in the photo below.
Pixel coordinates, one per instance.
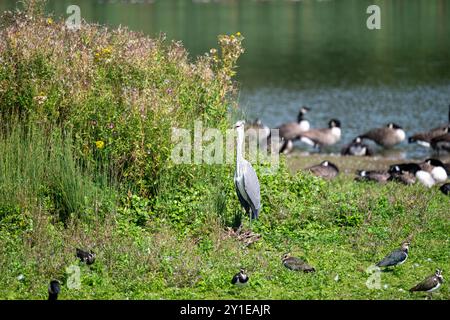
(314, 53)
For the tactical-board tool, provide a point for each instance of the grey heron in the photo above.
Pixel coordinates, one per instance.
(245, 178)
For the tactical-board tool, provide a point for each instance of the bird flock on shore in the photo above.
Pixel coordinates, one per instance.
(429, 172)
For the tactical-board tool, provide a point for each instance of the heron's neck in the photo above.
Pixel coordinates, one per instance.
(240, 141)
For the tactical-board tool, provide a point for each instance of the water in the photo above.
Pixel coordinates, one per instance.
(315, 53)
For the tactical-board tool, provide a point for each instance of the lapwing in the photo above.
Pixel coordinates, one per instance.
(430, 284)
(396, 257)
(296, 264)
(322, 137)
(87, 257)
(325, 169)
(240, 279)
(387, 137)
(377, 176)
(54, 289)
(356, 148)
(445, 188)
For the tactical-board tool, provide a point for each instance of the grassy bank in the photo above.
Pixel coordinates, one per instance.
(85, 162)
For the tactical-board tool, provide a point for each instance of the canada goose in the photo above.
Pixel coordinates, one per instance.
(291, 130)
(87, 257)
(325, 169)
(257, 131)
(447, 168)
(445, 188)
(286, 146)
(424, 138)
(404, 176)
(387, 137)
(324, 136)
(436, 168)
(424, 177)
(53, 290)
(283, 146)
(441, 143)
(296, 264)
(430, 284)
(396, 257)
(377, 176)
(240, 279)
(356, 148)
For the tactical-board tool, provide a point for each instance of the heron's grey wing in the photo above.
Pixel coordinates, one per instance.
(251, 186)
(243, 202)
(392, 259)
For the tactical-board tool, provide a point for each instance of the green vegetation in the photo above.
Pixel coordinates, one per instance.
(84, 162)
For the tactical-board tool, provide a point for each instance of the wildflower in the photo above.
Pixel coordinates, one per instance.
(100, 144)
(238, 34)
(49, 21)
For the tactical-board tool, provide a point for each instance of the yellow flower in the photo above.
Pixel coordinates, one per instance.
(49, 21)
(100, 144)
(238, 34)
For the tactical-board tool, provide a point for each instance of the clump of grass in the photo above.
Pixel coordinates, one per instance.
(115, 88)
(38, 168)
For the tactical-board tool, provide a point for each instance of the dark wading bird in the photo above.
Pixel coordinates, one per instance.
(240, 279)
(356, 148)
(245, 178)
(445, 189)
(296, 264)
(53, 290)
(87, 257)
(430, 284)
(323, 137)
(424, 138)
(396, 257)
(386, 137)
(325, 169)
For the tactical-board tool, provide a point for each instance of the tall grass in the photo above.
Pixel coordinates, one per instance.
(38, 168)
